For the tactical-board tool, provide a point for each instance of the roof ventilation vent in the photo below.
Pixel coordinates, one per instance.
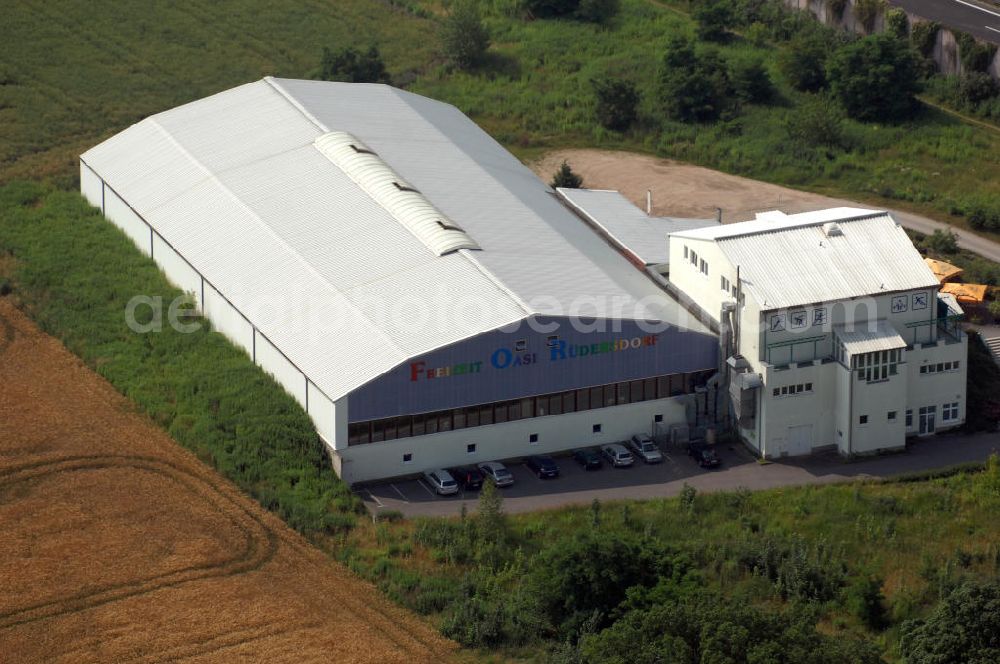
(407, 205)
(832, 229)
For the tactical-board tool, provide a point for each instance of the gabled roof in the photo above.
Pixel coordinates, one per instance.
(347, 279)
(799, 259)
(632, 229)
(869, 338)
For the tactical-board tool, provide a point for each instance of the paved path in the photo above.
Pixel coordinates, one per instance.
(977, 18)
(739, 469)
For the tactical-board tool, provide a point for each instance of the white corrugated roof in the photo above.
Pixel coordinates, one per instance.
(870, 338)
(342, 286)
(627, 225)
(791, 260)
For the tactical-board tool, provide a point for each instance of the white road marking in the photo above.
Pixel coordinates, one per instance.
(396, 489)
(421, 483)
(982, 9)
(993, 29)
(372, 496)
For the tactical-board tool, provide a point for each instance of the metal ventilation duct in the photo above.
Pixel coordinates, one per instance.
(407, 205)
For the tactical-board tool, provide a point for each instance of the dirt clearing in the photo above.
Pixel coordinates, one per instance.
(118, 545)
(679, 190)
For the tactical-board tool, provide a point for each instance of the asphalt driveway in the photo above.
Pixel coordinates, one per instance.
(576, 486)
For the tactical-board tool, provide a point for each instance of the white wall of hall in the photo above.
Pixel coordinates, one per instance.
(178, 271)
(226, 319)
(273, 362)
(371, 461)
(91, 186)
(329, 416)
(125, 218)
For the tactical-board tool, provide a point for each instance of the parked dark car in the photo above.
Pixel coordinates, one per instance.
(543, 466)
(704, 455)
(589, 458)
(467, 478)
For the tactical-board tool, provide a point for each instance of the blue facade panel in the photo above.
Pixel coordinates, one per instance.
(550, 356)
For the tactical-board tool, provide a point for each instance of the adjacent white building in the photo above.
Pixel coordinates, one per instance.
(835, 330)
(423, 295)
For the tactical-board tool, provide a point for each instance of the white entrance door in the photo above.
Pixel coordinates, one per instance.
(927, 414)
(800, 439)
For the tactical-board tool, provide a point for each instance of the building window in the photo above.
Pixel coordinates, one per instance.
(520, 345)
(407, 458)
(949, 412)
(792, 390)
(685, 252)
(878, 366)
(694, 258)
(551, 340)
(892, 416)
(597, 428)
(725, 284)
(658, 418)
(939, 367)
(704, 267)
(470, 448)
(863, 420)
(533, 438)
(909, 419)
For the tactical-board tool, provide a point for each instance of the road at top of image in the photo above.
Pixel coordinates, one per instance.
(979, 19)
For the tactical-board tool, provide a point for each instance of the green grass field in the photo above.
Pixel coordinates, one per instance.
(73, 74)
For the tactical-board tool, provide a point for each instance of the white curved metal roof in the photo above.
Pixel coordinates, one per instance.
(334, 268)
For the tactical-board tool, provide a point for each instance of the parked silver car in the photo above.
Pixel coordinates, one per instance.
(645, 448)
(497, 473)
(442, 482)
(617, 455)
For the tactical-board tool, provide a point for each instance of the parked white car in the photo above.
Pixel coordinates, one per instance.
(645, 448)
(442, 482)
(617, 455)
(497, 473)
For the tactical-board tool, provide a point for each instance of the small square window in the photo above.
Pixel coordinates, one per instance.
(657, 418)
(809, 387)
(551, 340)
(863, 419)
(955, 364)
(470, 448)
(777, 392)
(520, 345)
(892, 415)
(597, 428)
(407, 458)
(532, 437)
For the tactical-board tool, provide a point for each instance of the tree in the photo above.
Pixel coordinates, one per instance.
(714, 17)
(750, 80)
(897, 23)
(803, 62)
(875, 78)
(964, 627)
(464, 35)
(353, 66)
(491, 526)
(694, 85)
(976, 87)
(616, 103)
(817, 122)
(566, 178)
(551, 8)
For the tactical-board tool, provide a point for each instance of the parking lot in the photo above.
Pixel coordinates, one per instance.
(414, 497)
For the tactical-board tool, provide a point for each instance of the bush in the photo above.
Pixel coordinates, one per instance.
(897, 23)
(750, 81)
(866, 11)
(597, 11)
(875, 78)
(551, 8)
(923, 37)
(714, 18)
(817, 122)
(866, 601)
(617, 101)
(941, 242)
(565, 178)
(976, 56)
(464, 35)
(803, 62)
(976, 87)
(694, 85)
(353, 66)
